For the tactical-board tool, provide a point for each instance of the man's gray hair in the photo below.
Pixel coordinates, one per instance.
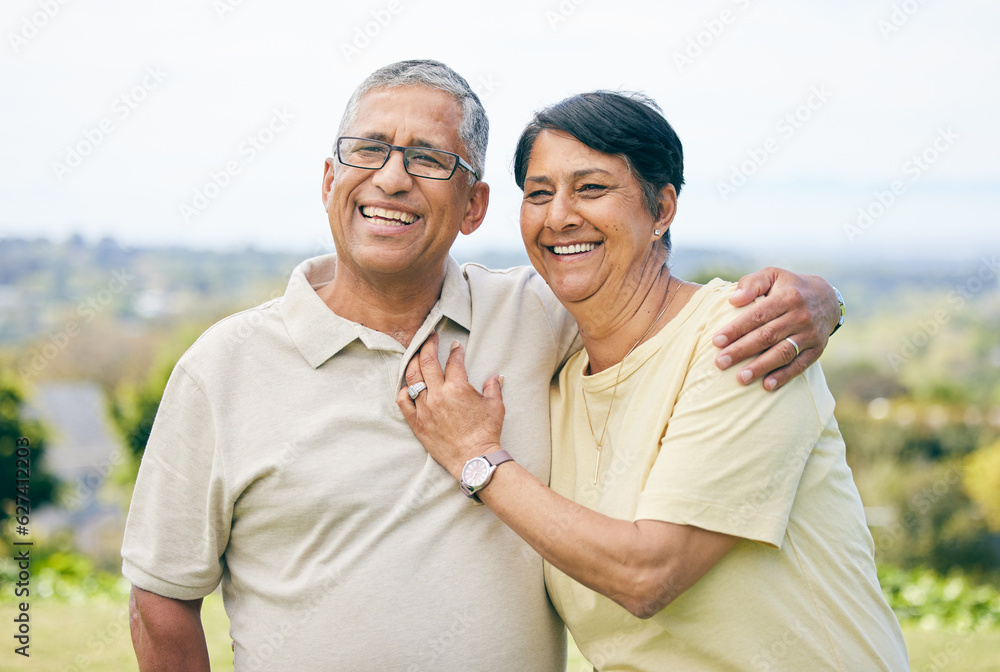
(474, 130)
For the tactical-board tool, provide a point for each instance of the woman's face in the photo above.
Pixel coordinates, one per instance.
(584, 224)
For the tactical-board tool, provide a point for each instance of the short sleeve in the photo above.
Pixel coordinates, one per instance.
(180, 516)
(732, 455)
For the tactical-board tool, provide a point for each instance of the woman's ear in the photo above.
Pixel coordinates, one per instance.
(668, 208)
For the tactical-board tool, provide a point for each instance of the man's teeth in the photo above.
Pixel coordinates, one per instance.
(574, 249)
(393, 217)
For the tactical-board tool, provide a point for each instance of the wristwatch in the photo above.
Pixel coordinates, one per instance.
(477, 472)
(843, 312)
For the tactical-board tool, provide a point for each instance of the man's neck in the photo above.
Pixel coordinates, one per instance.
(394, 306)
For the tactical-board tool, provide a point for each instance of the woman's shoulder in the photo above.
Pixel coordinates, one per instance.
(709, 307)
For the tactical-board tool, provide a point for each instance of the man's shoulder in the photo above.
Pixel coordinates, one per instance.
(233, 333)
(511, 274)
(504, 280)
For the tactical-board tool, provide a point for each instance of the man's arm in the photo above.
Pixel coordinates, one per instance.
(167, 633)
(804, 308)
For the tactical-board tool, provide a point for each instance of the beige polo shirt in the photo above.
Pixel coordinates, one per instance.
(280, 465)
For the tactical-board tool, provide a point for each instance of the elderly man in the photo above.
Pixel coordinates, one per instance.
(280, 465)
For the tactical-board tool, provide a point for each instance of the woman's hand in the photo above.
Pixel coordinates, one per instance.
(453, 421)
(803, 308)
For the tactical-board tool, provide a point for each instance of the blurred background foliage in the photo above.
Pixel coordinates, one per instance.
(915, 371)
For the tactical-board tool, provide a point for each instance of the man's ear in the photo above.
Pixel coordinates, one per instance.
(327, 181)
(668, 208)
(475, 211)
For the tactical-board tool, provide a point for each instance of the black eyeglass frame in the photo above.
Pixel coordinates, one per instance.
(459, 161)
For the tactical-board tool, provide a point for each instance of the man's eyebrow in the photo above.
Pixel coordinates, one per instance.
(384, 137)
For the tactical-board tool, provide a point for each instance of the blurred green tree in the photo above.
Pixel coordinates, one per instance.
(15, 428)
(982, 482)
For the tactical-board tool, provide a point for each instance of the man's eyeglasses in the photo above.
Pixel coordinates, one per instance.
(433, 164)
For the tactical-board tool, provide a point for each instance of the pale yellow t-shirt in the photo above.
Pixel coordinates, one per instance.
(687, 444)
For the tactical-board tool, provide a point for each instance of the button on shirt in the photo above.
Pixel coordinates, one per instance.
(280, 465)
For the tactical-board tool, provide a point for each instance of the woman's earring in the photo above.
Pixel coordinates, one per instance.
(656, 232)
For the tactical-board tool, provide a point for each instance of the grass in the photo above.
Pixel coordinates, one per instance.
(75, 637)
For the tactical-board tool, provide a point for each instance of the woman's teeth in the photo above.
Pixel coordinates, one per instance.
(574, 249)
(392, 217)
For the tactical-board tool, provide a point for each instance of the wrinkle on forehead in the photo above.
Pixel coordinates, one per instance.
(412, 116)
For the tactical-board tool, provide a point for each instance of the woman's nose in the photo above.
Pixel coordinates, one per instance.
(561, 213)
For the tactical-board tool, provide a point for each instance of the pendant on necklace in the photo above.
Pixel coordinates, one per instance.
(597, 464)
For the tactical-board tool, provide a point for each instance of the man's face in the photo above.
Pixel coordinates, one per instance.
(387, 222)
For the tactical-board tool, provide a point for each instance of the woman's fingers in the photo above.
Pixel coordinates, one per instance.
(430, 368)
(454, 368)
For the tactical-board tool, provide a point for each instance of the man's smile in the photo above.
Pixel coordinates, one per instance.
(387, 217)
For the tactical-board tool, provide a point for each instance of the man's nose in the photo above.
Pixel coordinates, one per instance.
(392, 178)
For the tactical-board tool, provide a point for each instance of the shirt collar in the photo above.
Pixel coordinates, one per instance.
(318, 333)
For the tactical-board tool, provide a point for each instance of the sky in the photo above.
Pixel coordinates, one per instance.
(864, 129)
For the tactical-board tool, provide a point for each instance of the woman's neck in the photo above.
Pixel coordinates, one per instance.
(611, 326)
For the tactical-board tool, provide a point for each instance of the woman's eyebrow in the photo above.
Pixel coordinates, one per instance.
(583, 172)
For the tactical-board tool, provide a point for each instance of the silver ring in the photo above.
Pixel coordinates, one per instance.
(415, 389)
(794, 345)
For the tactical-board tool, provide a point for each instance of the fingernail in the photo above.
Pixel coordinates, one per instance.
(455, 344)
(724, 361)
(771, 383)
(746, 375)
(500, 380)
(720, 340)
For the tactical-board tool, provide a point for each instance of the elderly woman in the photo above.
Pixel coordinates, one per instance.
(692, 523)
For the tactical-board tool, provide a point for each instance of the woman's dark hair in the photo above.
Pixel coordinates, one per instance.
(630, 126)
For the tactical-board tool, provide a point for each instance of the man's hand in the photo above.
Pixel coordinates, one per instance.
(803, 308)
(166, 633)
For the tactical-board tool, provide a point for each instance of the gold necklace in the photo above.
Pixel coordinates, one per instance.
(614, 390)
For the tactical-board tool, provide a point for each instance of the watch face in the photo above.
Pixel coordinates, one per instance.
(475, 472)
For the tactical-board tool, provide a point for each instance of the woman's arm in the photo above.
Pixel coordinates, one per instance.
(642, 565)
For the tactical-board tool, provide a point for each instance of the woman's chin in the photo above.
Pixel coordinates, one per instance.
(571, 290)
